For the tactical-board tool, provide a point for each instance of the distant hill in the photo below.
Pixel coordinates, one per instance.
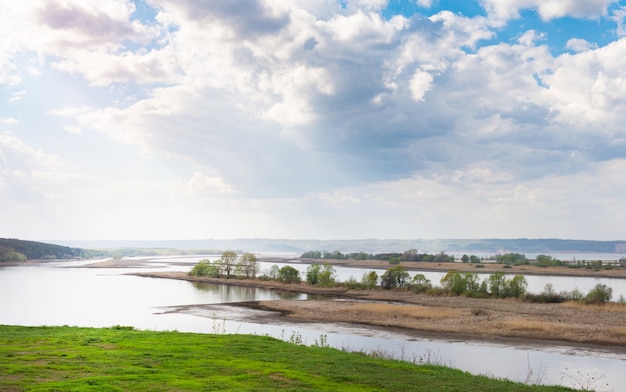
(19, 250)
(519, 245)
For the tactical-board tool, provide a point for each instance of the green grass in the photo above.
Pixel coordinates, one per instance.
(121, 359)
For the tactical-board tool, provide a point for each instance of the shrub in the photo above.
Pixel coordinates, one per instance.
(288, 274)
(352, 283)
(600, 294)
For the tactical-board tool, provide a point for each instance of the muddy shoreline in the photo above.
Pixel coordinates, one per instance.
(450, 318)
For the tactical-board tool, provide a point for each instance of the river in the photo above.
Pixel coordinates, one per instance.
(66, 294)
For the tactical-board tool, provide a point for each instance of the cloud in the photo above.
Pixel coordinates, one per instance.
(8, 121)
(580, 45)
(372, 98)
(313, 110)
(501, 11)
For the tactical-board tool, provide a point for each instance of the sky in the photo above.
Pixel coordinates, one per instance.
(312, 119)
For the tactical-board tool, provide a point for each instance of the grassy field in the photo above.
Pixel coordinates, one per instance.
(120, 359)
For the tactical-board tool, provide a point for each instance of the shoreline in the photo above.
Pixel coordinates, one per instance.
(451, 318)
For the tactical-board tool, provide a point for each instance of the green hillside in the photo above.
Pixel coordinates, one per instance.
(19, 250)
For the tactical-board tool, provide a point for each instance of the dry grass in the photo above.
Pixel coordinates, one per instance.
(535, 326)
(608, 307)
(619, 331)
(413, 311)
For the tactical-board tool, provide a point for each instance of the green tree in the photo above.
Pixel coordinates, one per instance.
(600, 294)
(205, 268)
(420, 283)
(394, 277)
(369, 280)
(248, 266)
(288, 274)
(200, 269)
(454, 282)
(465, 259)
(313, 274)
(497, 284)
(274, 272)
(516, 287)
(472, 282)
(326, 276)
(474, 259)
(512, 258)
(228, 262)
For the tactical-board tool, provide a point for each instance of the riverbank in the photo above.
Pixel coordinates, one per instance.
(602, 327)
(119, 358)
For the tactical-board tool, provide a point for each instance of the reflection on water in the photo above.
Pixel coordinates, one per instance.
(53, 295)
(241, 293)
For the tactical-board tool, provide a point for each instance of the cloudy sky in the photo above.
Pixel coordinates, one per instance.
(312, 119)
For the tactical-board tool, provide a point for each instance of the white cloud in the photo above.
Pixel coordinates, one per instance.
(420, 83)
(280, 114)
(580, 45)
(501, 11)
(8, 121)
(18, 95)
(618, 15)
(425, 3)
(202, 185)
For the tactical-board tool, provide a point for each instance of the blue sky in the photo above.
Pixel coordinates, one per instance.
(161, 119)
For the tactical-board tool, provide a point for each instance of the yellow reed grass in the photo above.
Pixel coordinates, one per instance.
(534, 325)
(414, 311)
(608, 307)
(619, 331)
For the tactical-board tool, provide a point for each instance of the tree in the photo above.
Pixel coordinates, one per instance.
(497, 284)
(200, 269)
(288, 274)
(474, 259)
(465, 259)
(313, 274)
(228, 262)
(420, 283)
(454, 282)
(205, 268)
(326, 276)
(248, 265)
(369, 280)
(274, 272)
(600, 294)
(472, 282)
(516, 287)
(394, 277)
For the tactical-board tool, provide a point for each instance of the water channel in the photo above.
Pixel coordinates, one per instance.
(67, 294)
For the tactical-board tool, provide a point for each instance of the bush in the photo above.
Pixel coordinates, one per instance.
(352, 284)
(599, 295)
(201, 269)
(288, 274)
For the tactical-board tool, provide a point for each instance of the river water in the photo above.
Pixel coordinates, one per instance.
(65, 294)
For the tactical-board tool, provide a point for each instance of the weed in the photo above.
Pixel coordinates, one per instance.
(584, 381)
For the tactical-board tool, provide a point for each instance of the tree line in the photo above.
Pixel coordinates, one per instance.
(229, 265)
(496, 285)
(392, 257)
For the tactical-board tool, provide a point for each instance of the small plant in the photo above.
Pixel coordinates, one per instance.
(584, 381)
(296, 338)
(123, 327)
(323, 342)
(219, 326)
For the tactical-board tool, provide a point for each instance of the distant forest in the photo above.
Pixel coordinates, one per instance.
(516, 245)
(19, 250)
